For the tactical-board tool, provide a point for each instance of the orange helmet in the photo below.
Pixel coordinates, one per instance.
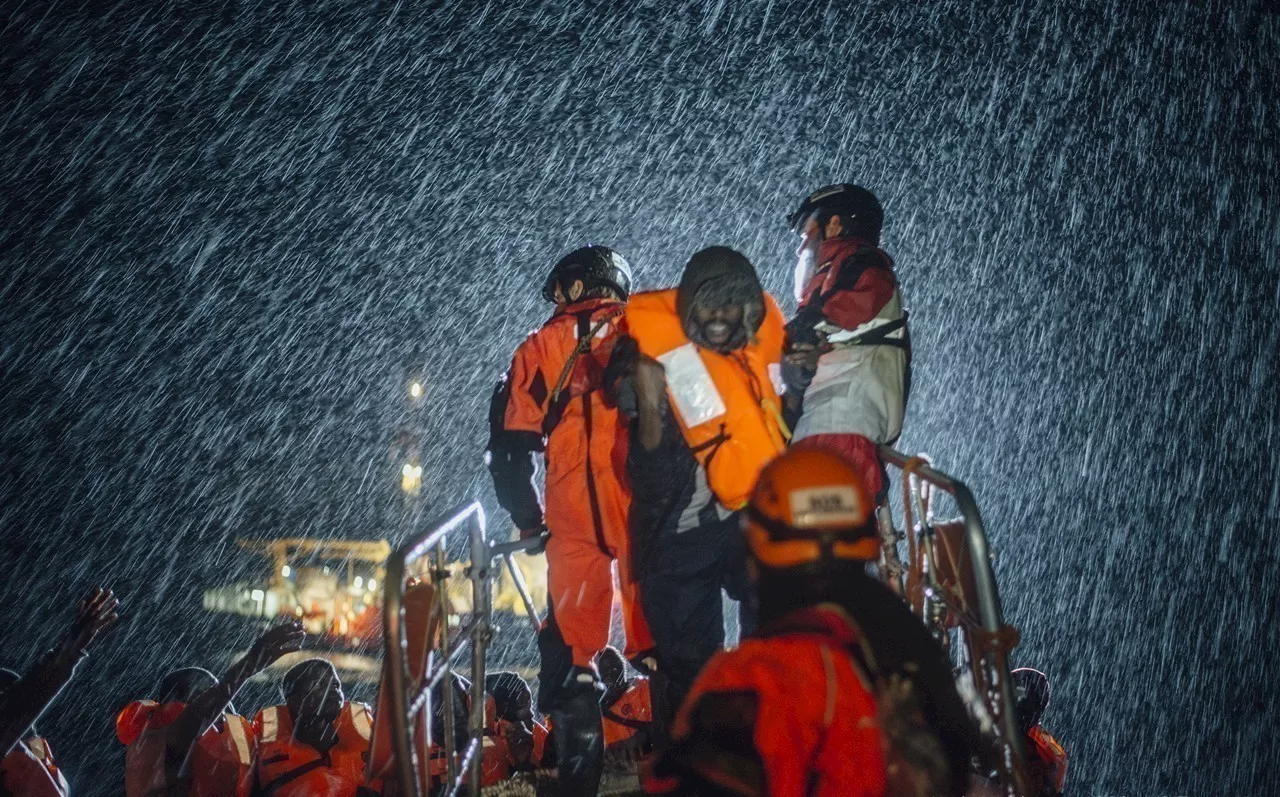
(808, 507)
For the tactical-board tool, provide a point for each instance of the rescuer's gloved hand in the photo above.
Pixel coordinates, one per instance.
(799, 366)
(803, 329)
(537, 531)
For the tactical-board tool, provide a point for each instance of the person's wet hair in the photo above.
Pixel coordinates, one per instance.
(298, 680)
(509, 690)
(7, 679)
(183, 685)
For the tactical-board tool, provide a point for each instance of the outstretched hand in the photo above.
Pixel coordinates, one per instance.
(97, 610)
(284, 638)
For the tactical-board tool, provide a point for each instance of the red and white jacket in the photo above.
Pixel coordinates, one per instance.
(852, 296)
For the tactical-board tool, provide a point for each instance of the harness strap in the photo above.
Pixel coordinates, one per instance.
(637, 725)
(293, 774)
(879, 336)
(586, 331)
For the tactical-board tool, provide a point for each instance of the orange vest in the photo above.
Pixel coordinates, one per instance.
(726, 404)
(288, 768)
(30, 771)
(221, 763)
(627, 717)
(1048, 759)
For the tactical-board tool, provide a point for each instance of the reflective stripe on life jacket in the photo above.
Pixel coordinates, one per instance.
(30, 771)
(221, 762)
(726, 404)
(290, 768)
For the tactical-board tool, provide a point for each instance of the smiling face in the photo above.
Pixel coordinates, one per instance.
(718, 324)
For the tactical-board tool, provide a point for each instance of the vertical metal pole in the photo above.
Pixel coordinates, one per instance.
(450, 739)
(481, 607)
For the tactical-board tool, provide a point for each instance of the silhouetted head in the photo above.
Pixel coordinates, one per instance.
(612, 667)
(312, 692)
(7, 679)
(720, 301)
(1030, 697)
(184, 685)
(511, 696)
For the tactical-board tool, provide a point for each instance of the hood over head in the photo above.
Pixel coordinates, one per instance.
(718, 276)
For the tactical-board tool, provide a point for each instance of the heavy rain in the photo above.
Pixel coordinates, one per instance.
(231, 232)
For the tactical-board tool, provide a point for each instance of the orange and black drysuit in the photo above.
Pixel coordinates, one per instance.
(221, 761)
(789, 713)
(552, 401)
(721, 424)
(288, 767)
(790, 709)
(29, 770)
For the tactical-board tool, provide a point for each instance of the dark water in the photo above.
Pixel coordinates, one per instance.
(226, 229)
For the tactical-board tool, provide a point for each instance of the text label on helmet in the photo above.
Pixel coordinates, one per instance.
(822, 507)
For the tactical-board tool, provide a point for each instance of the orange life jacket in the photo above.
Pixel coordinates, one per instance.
(630, 715)
(30, 771)
(726, 404)
(221, 763)
(1048, 759)
(289, 768)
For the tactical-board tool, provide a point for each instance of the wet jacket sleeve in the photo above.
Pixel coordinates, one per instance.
(863, 287)
(515, 439)
(26, 699)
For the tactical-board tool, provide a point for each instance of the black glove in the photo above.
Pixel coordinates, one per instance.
(538, 531)
(797, 375)
(804, 327)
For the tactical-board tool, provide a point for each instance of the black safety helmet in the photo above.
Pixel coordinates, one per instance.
(1030, 697)
(856, 206)
(596, 266)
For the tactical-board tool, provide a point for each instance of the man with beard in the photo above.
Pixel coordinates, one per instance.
(696, 375)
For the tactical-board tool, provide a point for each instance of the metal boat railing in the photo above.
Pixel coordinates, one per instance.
(408, 701)
(989, 646)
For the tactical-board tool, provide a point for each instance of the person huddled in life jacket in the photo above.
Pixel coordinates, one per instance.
(29, 769)
(696, 374)
(317, 743)
(841, 690)
(1046, 758)
(189, 739)
(628, 714)
(27, 765)
(552, 402)
(520, 741)
(848, 364)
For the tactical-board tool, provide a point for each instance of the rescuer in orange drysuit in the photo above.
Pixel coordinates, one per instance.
(317, 743)
(1046, 759)
(27, 765)
(697, 373)
(628, 713)
(551, 401)
(189, 740)
(841, 691)
(848, 363)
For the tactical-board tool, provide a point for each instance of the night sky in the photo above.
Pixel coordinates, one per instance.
(226, 230)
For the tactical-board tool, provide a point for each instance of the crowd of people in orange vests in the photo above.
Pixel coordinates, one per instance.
(694, 441)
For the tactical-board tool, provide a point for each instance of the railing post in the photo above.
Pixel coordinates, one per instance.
(481, 609)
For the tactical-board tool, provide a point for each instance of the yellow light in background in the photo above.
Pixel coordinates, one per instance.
(257, 595)
(373, 584)
(415, 390)
(358, 582)
(286, 571)
(411, 478)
